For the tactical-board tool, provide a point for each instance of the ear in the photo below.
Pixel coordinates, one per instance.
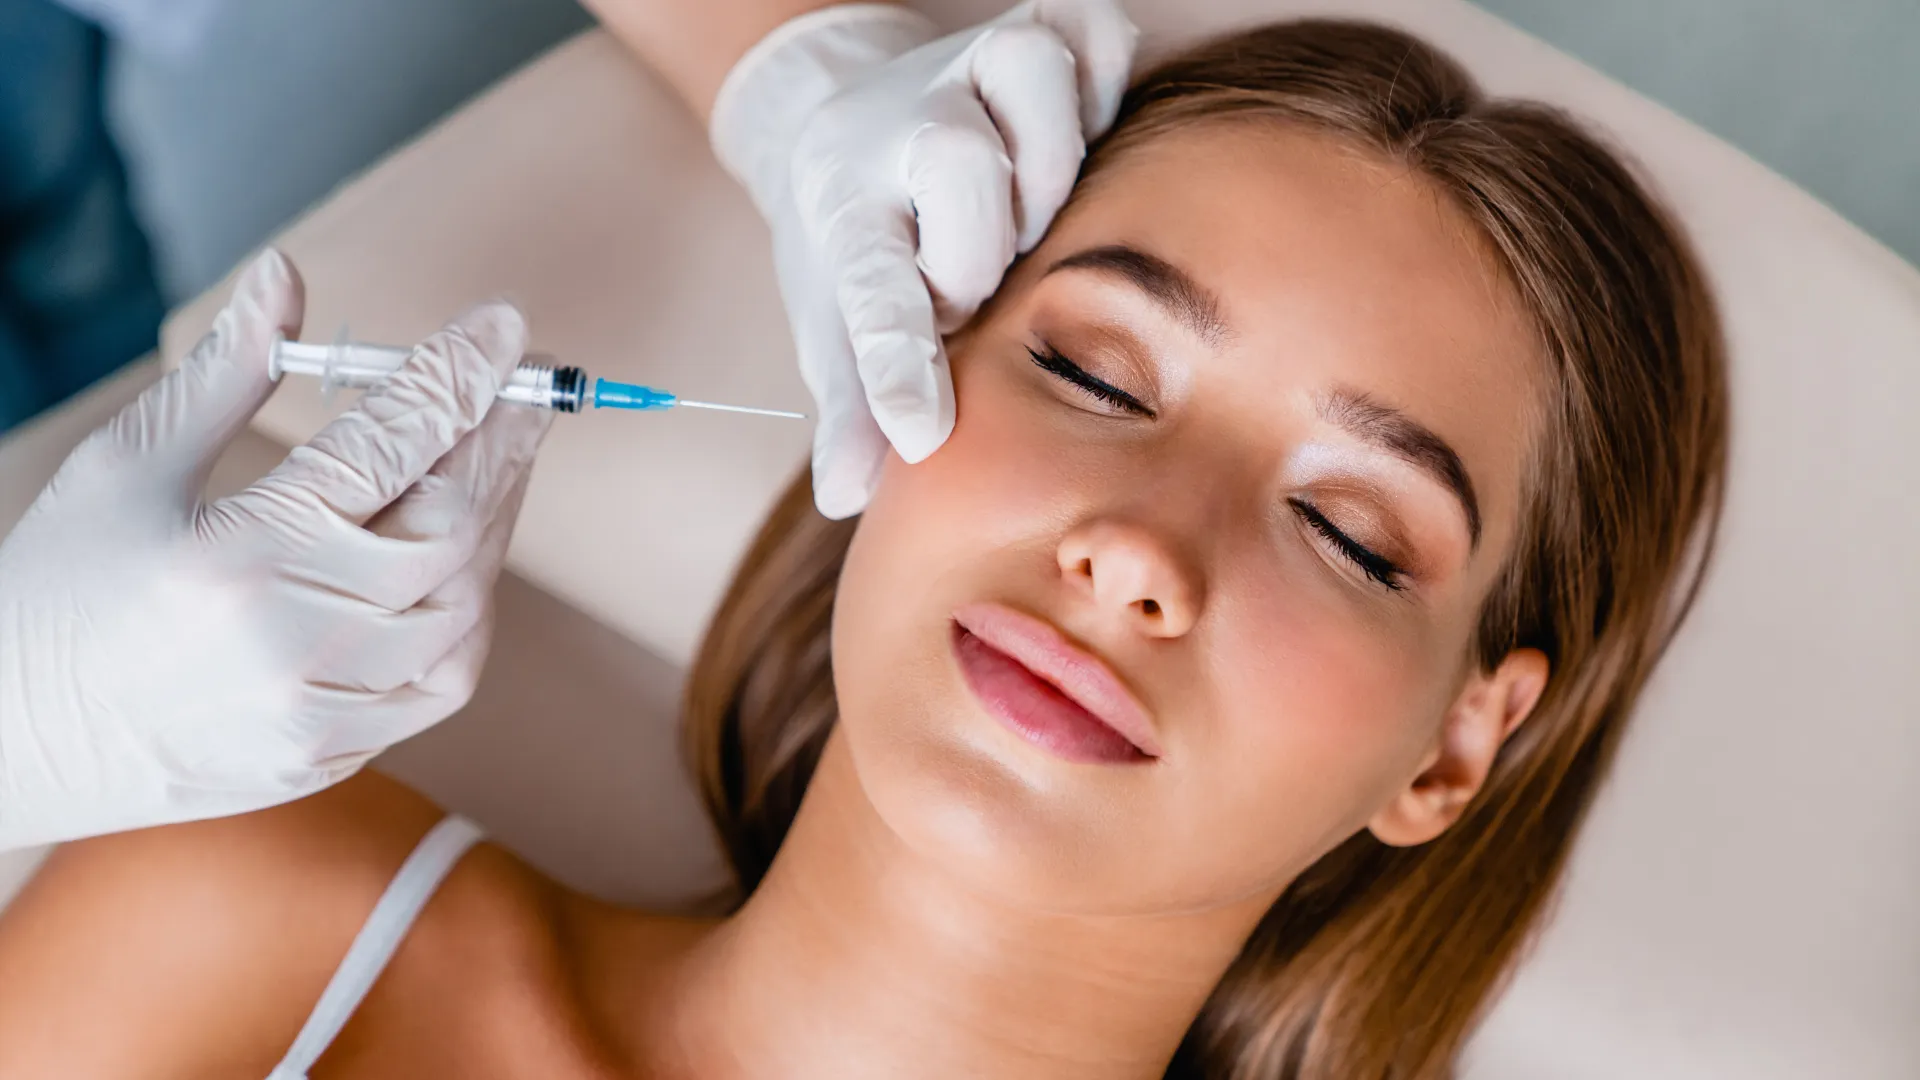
(1489, 708)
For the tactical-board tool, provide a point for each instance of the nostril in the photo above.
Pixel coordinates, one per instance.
(1150, 607)
(1084, 568)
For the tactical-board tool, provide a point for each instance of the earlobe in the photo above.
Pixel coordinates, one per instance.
(1490, 708)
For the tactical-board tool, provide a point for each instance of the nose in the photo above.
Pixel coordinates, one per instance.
(1134, 575)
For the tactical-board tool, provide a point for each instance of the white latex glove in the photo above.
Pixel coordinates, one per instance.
(900, 174)
(166, 659)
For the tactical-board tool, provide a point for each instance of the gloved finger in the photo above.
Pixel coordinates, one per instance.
(454, 506)
(1025, 77)
(465, 489)
(847, 444)
(394, 434)
(961, 182)
(407, 550)
(890, 327)
(398, 648)
(363, 723)
(175, 430)
(848, 453)
(1102, 41)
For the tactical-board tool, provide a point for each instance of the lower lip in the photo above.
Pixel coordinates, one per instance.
(1035, 710)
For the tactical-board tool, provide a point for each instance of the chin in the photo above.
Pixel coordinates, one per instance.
(1005, 820)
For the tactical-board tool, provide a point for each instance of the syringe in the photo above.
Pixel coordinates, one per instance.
(537, 381)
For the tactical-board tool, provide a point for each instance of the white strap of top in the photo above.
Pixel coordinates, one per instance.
(392, 917)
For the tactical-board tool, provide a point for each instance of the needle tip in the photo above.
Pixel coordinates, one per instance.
(743, 409)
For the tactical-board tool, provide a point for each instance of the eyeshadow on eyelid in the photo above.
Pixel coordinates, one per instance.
(1110, 355)
(1371, 513)
(1164, 359)
(1358, 518)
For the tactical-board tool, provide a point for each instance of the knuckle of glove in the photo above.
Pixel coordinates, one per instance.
(1023, 46)
(518, 440)
(942, 153)
(419, 568)
(359, 451)
(449, 375)
(413, 577)
(452, 682)
(827, 199)
(833, 150)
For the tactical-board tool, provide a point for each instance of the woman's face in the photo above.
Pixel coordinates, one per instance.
(1189, 595)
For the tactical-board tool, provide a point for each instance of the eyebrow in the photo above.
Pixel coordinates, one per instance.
(1173, 288)
(1407, 439)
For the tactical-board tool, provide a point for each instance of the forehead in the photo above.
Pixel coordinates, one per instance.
(1333, 266)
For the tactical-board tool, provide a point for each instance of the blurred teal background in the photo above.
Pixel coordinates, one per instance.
(1826, 92)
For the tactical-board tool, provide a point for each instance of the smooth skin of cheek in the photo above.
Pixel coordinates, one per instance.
(1300, 698)
(1324, 725)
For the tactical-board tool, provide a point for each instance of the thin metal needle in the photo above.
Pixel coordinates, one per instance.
(741, 408)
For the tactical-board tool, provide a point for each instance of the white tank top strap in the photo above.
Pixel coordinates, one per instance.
(374, 946)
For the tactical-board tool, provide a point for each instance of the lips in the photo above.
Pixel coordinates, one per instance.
(1048, 690)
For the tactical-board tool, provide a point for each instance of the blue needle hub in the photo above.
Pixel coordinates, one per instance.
(608, 394)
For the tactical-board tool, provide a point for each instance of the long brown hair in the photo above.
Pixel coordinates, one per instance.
(1378, 960)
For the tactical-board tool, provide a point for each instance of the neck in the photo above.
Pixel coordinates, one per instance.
(860, 957)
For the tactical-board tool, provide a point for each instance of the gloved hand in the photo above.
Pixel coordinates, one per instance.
(900, 174)
(165, 659)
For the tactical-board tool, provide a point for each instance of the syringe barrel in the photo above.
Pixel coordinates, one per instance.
(562, 389)
(537, 381)
(346, 364)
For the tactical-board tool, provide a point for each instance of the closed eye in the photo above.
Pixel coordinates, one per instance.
(1370, 562)
(1051, 360)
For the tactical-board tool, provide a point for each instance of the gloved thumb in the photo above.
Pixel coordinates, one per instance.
(181, 423)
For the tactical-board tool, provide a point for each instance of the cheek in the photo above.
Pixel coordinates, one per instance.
(975, 516)
(1005, 467)
(1006, 481)
(1318, 717)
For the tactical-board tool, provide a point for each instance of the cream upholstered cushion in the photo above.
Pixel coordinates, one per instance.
(1746, 901)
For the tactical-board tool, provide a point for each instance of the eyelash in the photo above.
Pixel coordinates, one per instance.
(1371, 563)
(1055, 363)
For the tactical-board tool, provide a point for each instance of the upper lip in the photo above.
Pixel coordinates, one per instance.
(1070, 669)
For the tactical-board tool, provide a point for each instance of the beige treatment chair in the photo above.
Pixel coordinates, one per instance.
(1746, 899)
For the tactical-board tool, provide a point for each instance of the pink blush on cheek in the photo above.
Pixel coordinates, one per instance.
(1309, 690)
(1000, 474)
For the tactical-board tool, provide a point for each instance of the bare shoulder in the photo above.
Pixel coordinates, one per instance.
(200, 949)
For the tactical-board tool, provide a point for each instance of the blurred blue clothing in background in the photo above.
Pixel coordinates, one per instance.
(78, 294)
